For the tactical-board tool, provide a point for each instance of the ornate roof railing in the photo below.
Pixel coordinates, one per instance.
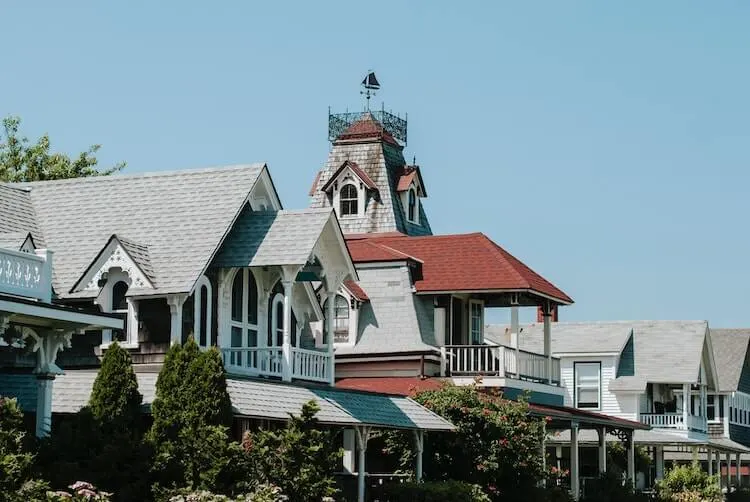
(393, 124)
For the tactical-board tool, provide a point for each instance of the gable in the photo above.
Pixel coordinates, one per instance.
(626, 364)
(744, 382)
(349, 171)
(130, 258)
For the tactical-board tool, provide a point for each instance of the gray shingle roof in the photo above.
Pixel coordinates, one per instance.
(664, 351)
(13, 240)
(730, 350)
(17, 213)
(272, 238)
(250, 398)
(181, 216)
(139, 253)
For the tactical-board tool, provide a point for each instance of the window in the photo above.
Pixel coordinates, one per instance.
(348, 200)
(711, 407)
(340, 320)
(476, 322)
(244, 316)
(587, 385)
(202, 309)
(277, 330)
(412, 203)
(120, 305)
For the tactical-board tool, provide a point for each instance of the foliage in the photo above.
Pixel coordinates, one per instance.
(611, 487)
(103, 442)
(617, 458)
(21, 160)
(115, 401)
(434, 491)
(192, 412)
(16, 462)
(79, 491)
(496, 444)
(689, 483)
(262, 493)
(739, 495)
(300, 458)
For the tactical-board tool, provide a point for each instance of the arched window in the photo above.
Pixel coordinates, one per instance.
(340, 320)
(244, 320)
(348, 200)
(119, 303)
(202, 309)
(412, 210)
(276, 319)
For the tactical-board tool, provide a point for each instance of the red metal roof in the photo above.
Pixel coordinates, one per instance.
(356, 291)
(363, 176)
(464, 262)
(406, 178)
(409, 386)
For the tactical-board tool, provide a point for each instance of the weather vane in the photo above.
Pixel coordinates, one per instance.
(370, 85)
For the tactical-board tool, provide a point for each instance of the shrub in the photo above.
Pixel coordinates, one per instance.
(115, 401)
(689, 483)
(611, 487)
(300, 458)
(434, 491)
(262, 493)
(739, 495)
(79, 491)
(15, 462)
(496, 444)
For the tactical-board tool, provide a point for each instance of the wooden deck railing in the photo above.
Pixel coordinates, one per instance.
(498, 360)
(25, 274)
(306, 364)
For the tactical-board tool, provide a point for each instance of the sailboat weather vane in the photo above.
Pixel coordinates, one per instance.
(370, 84)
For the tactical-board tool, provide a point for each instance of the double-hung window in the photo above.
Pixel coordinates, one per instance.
(588, 380)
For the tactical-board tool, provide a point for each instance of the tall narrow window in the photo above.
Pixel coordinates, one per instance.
(277, 334)
(244, 319)
(412, 210)
(711, 407)
(120, 305)
(587, 385)
(340, 320)
(476, 318)
(348, 200)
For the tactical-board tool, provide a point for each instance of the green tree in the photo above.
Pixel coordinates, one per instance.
(689, 482)
(15, 461)
(115, 401)
(300, 459)
(21, 160)
(496, 444)
(192, 414)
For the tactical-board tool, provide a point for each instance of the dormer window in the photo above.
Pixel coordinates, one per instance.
(412, 206)
(340, 320)
(348, 200)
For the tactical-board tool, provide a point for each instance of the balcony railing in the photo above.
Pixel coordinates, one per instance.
(674, 421)
(25, 274)
(306, 364)
(498, 360)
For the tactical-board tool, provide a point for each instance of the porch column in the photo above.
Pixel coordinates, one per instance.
(602, 449)
(175, 311)
(631, 457)
(685, 404)
(728, 477)
(704, 404)
(350, 445)
(659, 460)
(710, 457)
(515, 341)
(419, 447)
(574, 476)
(44, 384)
(363, 435)
(286, 344)
(547, 314)
(330, 316)
(738, 463)
(543, 482)
(725, 414)
(718, 465)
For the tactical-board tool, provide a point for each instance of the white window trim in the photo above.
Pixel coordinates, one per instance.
(358, 190)
(412, 190)
(197, 314)
(576, 385)
(277, 303)
(243, 324)
(473, 302)
(105, 301)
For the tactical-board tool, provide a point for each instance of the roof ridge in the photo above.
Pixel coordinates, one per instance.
(27, 185)
(388, 248)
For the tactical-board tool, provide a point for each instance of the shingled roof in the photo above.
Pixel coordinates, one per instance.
(181, 217)
(730, 352)
(464, 262)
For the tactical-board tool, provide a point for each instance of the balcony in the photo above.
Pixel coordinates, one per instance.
(674, 421)
(305, 364)
(26, 275)
(498, 361)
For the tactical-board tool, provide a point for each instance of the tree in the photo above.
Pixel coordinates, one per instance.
(496, 444)
(115, 401)
(21, 160)
(192, 414)
(300, 459)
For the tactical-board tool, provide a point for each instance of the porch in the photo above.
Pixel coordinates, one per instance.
(499, 361)
(307, 364)
(676, 421)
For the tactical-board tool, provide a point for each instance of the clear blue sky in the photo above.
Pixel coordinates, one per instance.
(606, 144)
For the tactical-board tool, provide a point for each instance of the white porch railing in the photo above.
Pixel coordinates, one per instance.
(269, 361)
(254, 361)
(25, 274)
(497, 360)
(674, 421)
(310, 365)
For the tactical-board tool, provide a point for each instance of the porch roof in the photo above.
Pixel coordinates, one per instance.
(39, 314)
(653, 437)
(252, 399)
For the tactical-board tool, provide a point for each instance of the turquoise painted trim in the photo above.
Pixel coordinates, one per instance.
(626, 366)
(542, 398)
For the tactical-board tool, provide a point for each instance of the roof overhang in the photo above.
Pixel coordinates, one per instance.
(346, 168)
(48, 315)
(500, 292)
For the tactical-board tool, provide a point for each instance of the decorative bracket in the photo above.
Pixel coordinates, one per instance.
(46, 347)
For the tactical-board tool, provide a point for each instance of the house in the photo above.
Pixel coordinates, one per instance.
(160, 257)
(660, 373)
(416, 315)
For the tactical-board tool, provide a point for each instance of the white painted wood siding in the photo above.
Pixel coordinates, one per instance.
(623, 405)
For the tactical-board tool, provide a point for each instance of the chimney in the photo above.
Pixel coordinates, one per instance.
(540, 314)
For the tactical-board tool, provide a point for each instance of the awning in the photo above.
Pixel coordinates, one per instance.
(251, 399)
(566, 415)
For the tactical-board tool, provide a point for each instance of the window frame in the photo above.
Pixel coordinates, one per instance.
(576, 384)
(412, 206)
(345, 304)
(476, 303)
(243, 323)
(349, 199)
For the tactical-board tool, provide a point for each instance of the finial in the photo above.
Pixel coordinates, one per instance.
(370, 84)
(414, 161)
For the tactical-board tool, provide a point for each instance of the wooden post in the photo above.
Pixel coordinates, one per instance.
(363, 435)
(286, 345)
(175, 311)
(547, 314)
(574, 473)
(710, 457)
(515, 339)
(330, 318)
(659, 454)
(44, 384)
(738, 463)
(685, 404)
(602, 449)
(728, 477)
(631, 457)
(419, 447)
